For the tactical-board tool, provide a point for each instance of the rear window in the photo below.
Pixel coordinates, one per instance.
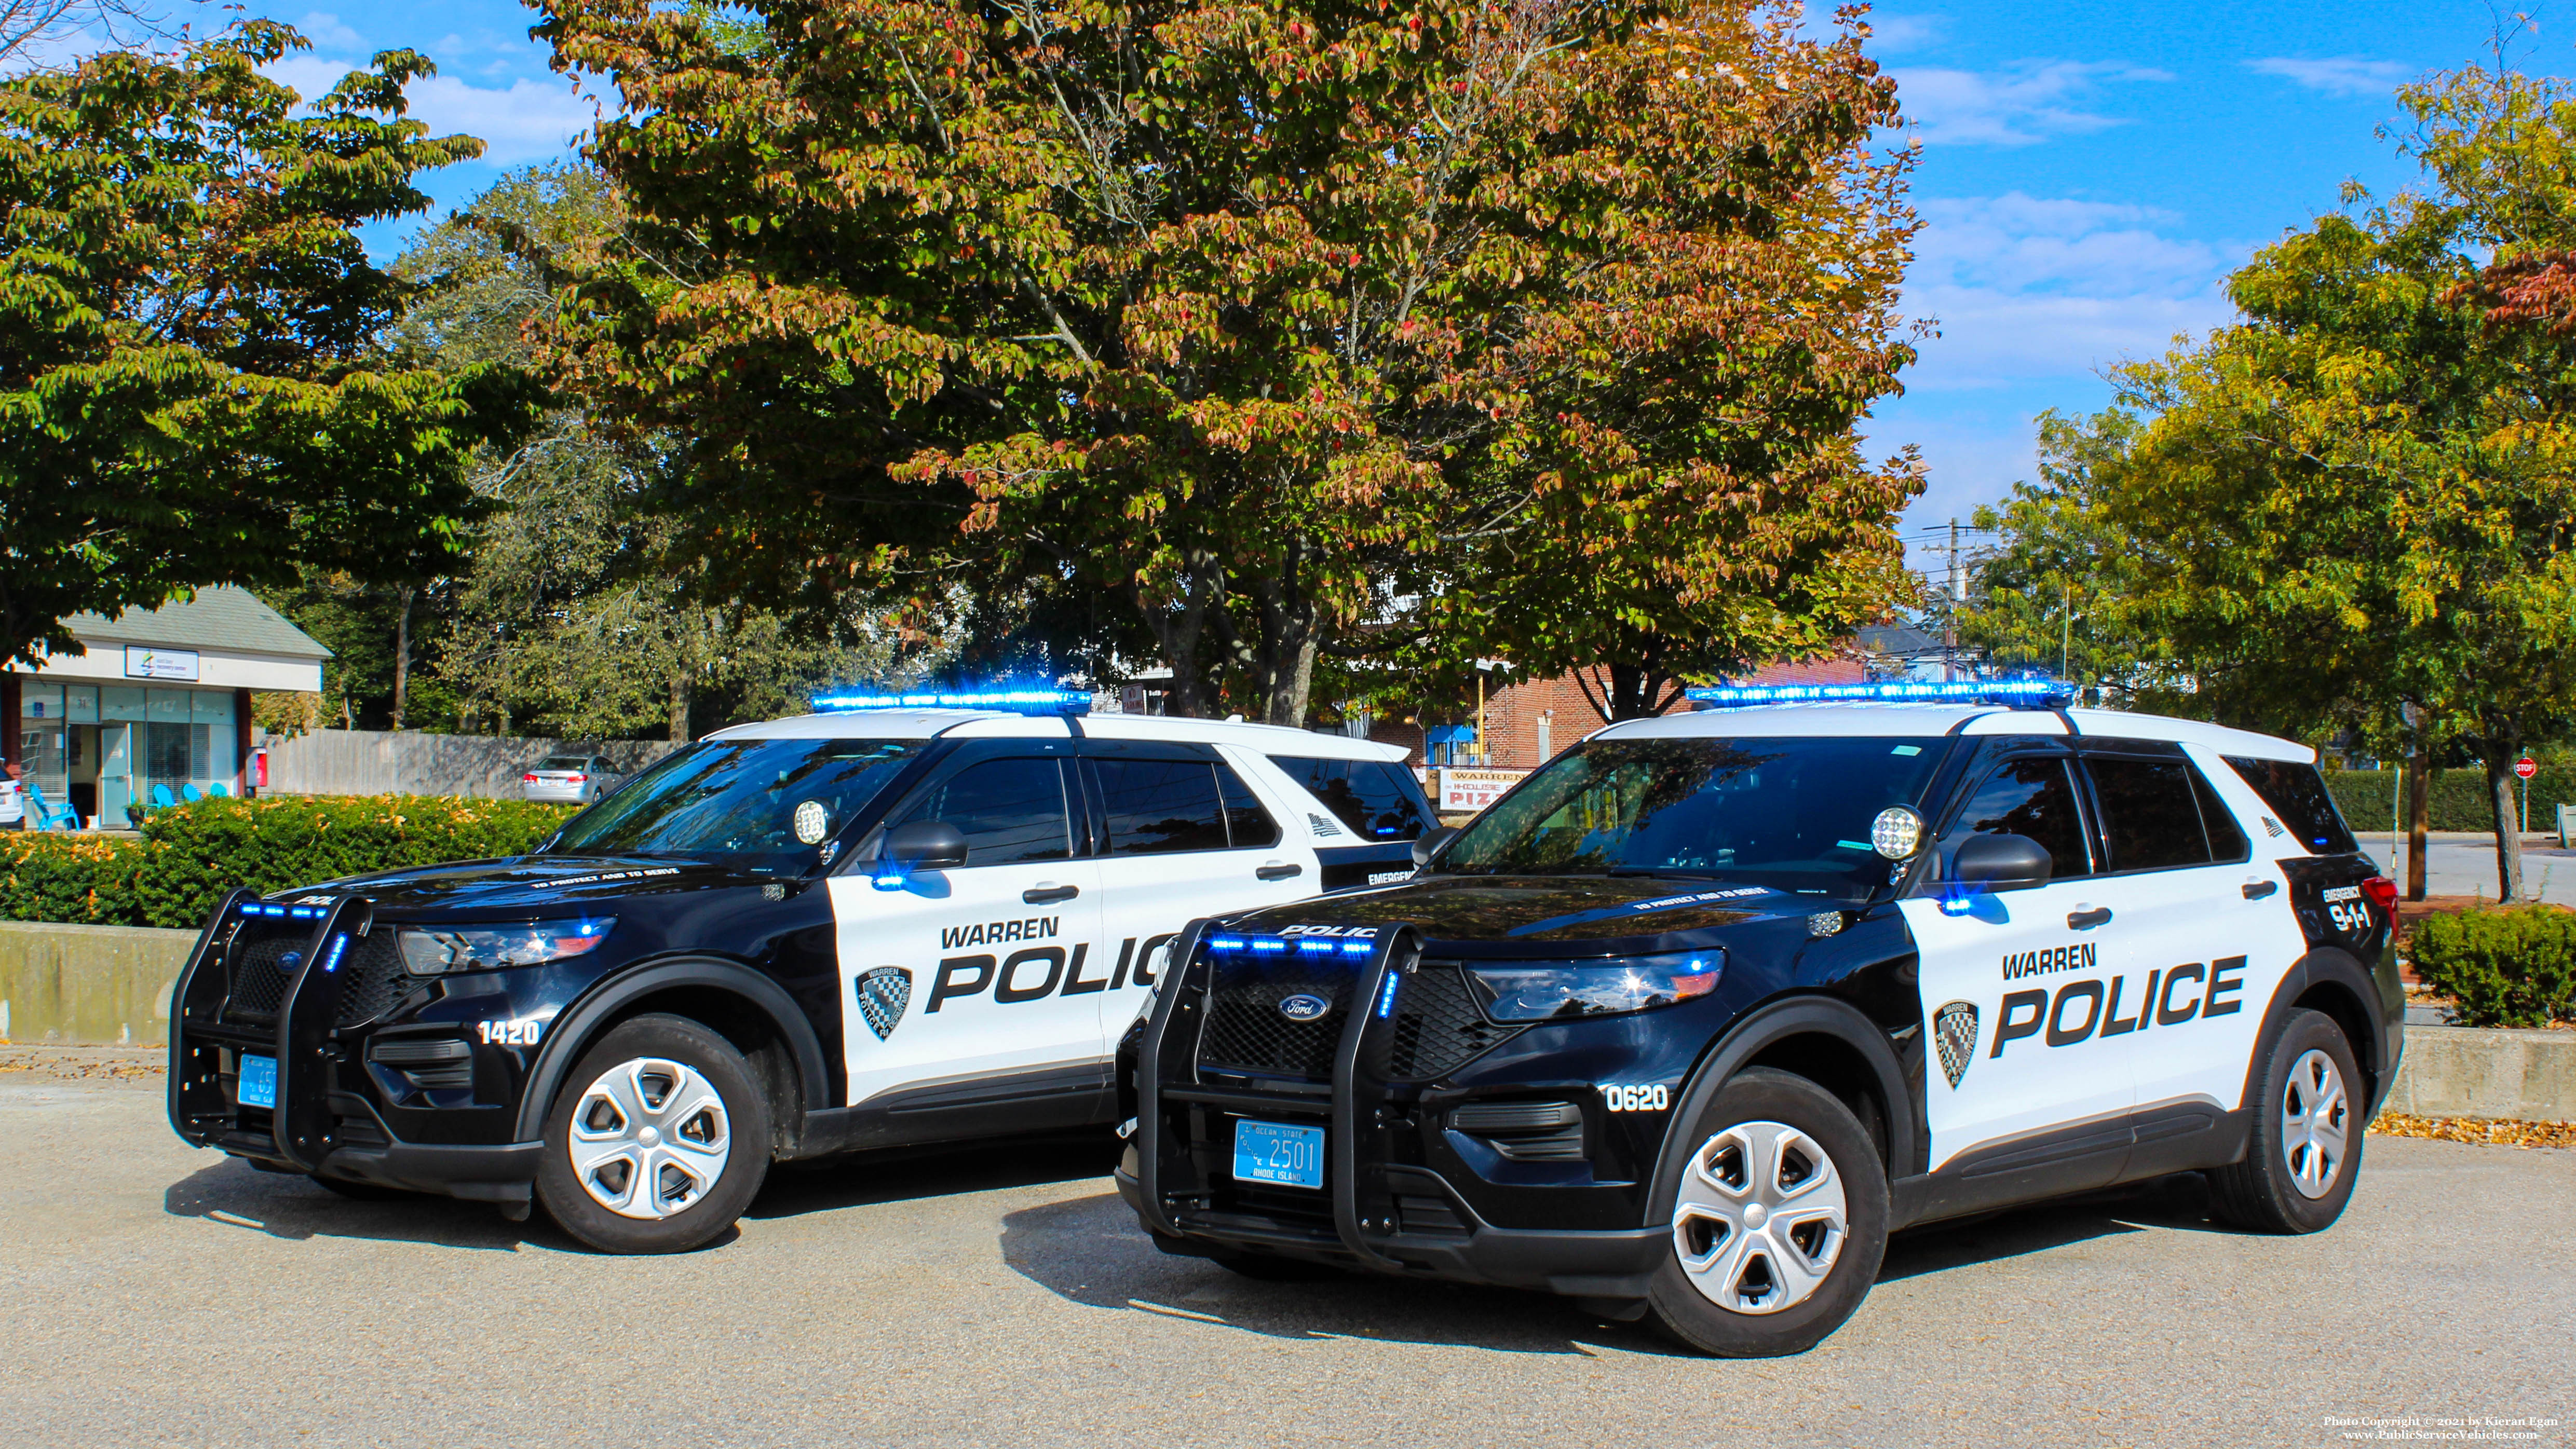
(563, 762)
(1375, 799)
(2299, 800)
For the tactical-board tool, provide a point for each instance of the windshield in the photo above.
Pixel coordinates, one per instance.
(758, 805)
(1793, 814)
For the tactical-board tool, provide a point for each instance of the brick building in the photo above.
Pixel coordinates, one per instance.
(1527, 722)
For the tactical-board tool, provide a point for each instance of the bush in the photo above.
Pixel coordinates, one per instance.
(2511, 967)
(191, 854)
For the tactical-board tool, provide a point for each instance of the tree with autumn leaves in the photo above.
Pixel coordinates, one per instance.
(1297, 329)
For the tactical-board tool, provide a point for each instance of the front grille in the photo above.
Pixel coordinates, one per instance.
(1438, 1026)
(1245, 1029)
(257, 973)
(255, 981)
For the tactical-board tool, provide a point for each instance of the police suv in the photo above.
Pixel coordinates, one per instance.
(1695, 1016)
(864, 928)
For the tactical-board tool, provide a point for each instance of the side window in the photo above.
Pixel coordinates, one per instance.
(1369, 797)
(1008, 810)
(1161, 805)
(2033, 798)
(2227, 843)
(1246, 824)
(2300, 802)
(2150, 815)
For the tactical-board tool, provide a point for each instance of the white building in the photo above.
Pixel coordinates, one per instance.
(161, 697)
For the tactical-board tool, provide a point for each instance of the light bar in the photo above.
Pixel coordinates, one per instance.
(2036, 693)
(1015, 701)
(1281, 946)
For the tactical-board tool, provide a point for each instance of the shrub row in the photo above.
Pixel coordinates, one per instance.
(2514, 966)
(189, 855)
(2458, 797)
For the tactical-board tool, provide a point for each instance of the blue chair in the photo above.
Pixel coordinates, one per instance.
(218, 791)
(49, 816)
(191, 794)
(162, 799)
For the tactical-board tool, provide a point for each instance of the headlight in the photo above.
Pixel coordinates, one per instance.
(1555, 990)
(432, 951)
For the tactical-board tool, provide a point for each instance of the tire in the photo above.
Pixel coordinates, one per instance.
(2304, 1152)
(1736, 1284)
(615, 1174)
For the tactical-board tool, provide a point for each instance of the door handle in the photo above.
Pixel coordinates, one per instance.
(2088, 918)
(2256, 890)
(1043, 894)
(1277, 871)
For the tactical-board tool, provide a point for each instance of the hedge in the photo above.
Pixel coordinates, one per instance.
(2506, 967)
(2459, 796)
(189, 855)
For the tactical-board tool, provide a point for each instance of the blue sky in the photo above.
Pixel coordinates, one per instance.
(2090, 171)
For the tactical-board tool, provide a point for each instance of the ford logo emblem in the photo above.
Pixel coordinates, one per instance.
(288, 962)
(1302, 1007)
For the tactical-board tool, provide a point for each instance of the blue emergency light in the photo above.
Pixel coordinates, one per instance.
(2024, 693)
(1012, 701)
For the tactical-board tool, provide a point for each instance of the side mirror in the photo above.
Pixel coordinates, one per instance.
(1430, 843)
(924, 845)
(2001, 863)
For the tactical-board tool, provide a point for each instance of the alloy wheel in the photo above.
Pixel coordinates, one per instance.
(2316, 1124)
(1760, 1218)
(649, 1138)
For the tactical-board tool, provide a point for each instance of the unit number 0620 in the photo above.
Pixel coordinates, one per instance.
(1621, 1098)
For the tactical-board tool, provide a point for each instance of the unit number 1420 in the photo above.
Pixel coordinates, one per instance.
(512, 1033)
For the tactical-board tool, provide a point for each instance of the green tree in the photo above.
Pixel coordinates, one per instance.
(191, 390)
(2358, 503)
(1235, 313)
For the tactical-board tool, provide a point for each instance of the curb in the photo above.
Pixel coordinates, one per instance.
(104, 985)
(2495, 1073)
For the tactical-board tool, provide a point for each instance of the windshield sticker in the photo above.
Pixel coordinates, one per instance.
(607, 875)
(1639, 908)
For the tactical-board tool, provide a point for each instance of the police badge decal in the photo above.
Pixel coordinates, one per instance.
(1954, 1030)
(883, 994)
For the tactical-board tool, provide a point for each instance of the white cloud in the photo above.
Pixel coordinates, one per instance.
(2030, 288)
(525, 121)
(2019, 106)
(1892, 33)
(328, 34)
(2342, 75)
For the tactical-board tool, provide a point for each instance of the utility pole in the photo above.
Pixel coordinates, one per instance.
(1950, 633)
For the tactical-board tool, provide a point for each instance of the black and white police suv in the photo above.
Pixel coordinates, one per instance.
(1690, 1020)
(864, 928)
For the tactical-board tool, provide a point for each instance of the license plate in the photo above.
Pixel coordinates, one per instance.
(258, 1081)
(1273, 1152)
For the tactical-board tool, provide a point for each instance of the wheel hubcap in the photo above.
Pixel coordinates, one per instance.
(2315, 1124)
(1760, 1218)
(649, 1138)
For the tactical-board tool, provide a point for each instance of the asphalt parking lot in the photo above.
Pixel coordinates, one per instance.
(158, 1295)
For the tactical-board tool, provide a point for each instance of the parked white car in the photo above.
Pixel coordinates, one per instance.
(576, 779)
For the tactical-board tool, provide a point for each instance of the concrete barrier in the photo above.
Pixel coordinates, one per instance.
(88, 983)
(2462, 1071)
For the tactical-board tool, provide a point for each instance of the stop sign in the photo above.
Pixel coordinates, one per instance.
(2525, 768)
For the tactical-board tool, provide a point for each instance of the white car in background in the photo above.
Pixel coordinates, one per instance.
(571, 779)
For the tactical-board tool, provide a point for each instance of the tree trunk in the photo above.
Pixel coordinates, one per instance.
(2500, 786)
(679, 706)
(402, 653)
(1181, 627)
(1283, 666)
(2419, 816)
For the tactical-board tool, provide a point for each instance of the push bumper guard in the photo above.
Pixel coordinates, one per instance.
(1383, 1206)
(304, 1132)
